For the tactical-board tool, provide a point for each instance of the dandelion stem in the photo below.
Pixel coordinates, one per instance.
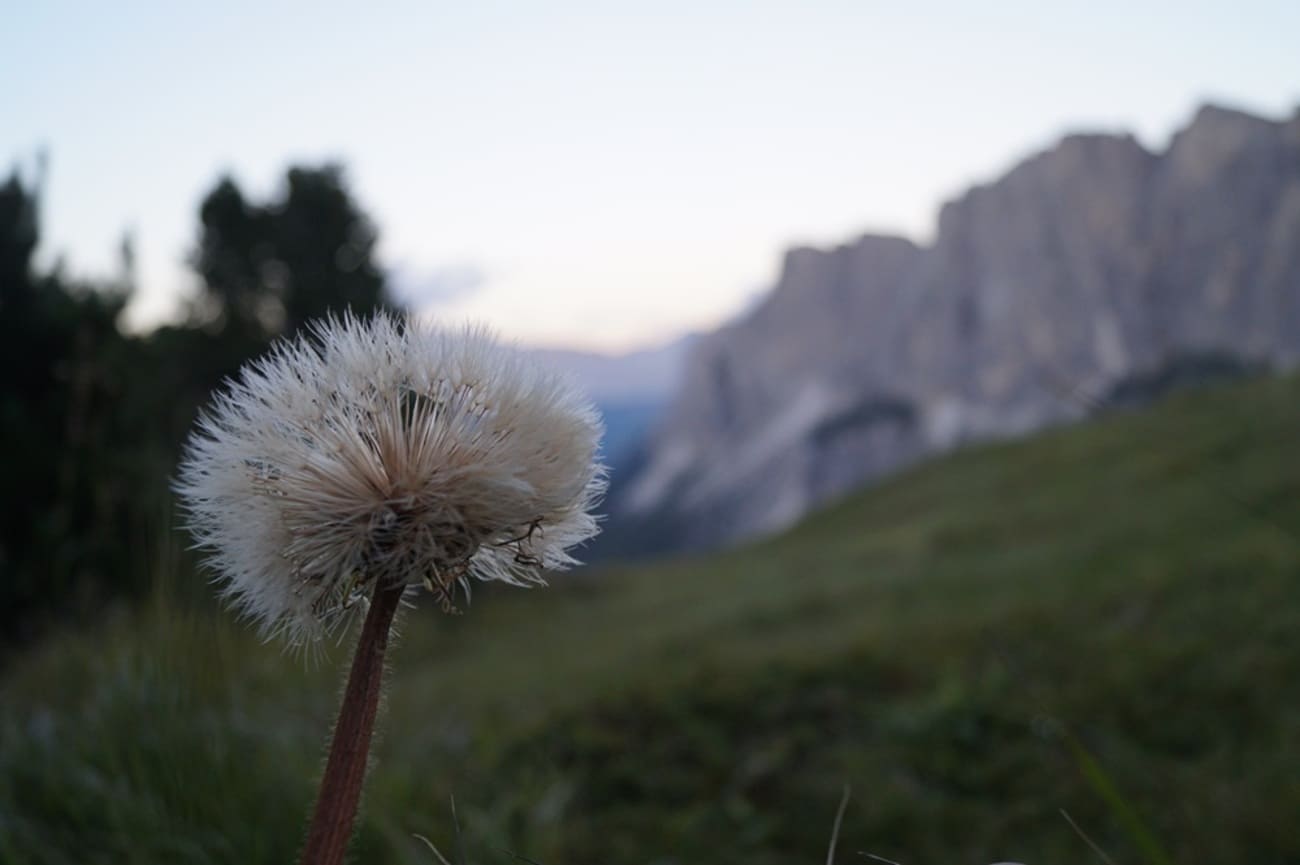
(340, 789)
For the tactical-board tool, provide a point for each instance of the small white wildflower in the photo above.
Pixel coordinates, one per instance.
(371, 454)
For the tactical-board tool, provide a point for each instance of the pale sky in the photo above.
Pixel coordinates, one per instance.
(602, 175)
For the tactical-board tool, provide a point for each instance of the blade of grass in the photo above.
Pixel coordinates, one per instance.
(1084, 835)
(1124, 812)
(436, 851)
(460, 841)
(835, 830)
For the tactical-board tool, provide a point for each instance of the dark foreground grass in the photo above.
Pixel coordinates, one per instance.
(1104, 620)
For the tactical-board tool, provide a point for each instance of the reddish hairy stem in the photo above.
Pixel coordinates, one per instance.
(340, 788)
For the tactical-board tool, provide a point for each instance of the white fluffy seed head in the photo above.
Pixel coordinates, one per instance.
(387, 452)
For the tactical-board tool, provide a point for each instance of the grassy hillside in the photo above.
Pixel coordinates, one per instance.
(1102, 619)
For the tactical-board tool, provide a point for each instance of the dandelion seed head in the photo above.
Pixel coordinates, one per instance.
(386, 452)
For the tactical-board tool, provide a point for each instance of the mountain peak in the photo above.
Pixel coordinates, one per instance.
(1083, 266)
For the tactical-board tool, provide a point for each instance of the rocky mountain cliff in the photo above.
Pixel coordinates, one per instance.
(1082, 267)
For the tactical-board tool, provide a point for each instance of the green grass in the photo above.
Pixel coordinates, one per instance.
(1102, 619)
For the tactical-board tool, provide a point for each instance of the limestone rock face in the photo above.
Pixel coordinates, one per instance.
(1084, 265)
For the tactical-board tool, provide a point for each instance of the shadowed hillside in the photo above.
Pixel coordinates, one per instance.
(973, 646)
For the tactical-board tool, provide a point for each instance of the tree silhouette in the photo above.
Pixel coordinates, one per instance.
(267, 269)
(18, 237)
(91, 418)
(69, 472)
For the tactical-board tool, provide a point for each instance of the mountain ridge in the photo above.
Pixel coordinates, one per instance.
(1084, 264)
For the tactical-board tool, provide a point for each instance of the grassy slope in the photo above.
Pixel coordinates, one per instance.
(934, 642)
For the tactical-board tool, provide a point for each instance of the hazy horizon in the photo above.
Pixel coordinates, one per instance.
(587, 179)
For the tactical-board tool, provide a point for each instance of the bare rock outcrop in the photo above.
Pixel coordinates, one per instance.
(1081, 267)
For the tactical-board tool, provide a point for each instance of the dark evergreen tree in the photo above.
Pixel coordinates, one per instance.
(91, 419)
(65, 486)
(269, 268)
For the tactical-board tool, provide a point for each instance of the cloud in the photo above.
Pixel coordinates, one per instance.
(424, 289)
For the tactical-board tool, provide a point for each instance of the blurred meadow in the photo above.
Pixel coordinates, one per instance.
(1114, 638)
(997, 527)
